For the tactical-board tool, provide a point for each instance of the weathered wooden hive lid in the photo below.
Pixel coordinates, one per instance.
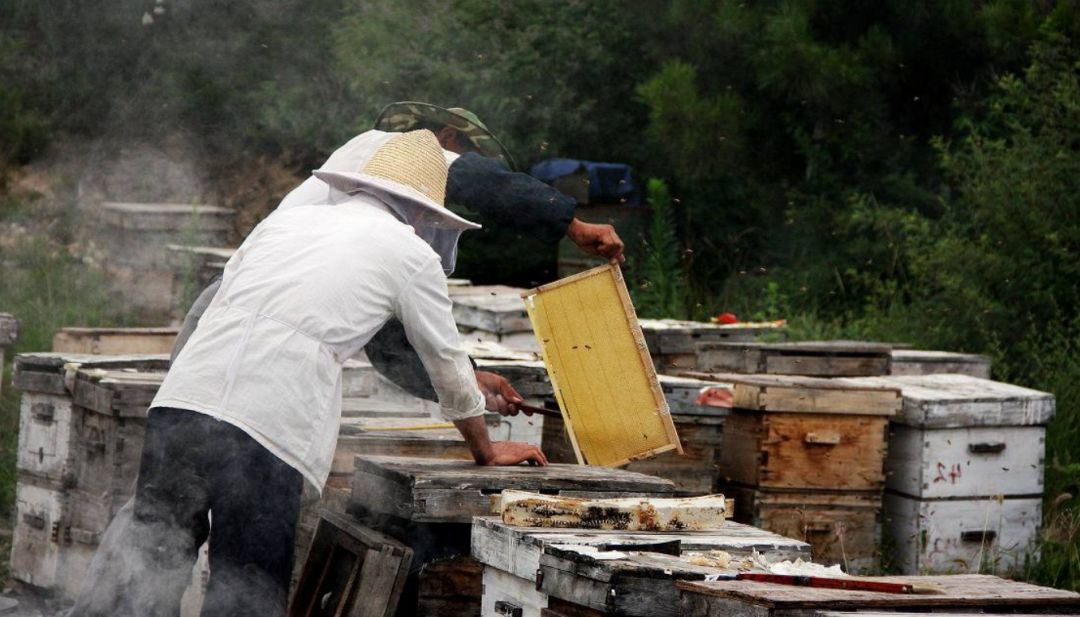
(789, 393)
(949, 401)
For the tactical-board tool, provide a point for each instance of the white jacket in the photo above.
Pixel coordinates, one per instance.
(306, 291)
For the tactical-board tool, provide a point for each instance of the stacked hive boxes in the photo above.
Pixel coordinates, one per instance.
(674, 344)
(804, 457)
(76, 460)
(965, 473)
(529, 570)
(493, 314)
(135, 239)
(430, 504)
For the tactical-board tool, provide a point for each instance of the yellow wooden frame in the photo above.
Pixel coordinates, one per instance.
(598, 363)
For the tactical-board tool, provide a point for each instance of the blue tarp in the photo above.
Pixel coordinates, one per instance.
(608, 182)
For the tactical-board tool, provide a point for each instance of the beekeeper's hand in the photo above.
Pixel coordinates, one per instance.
(499, 395)
(596, 239)
(512, 453)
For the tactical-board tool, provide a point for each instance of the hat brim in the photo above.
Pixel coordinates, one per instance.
(404, 115)
(348, 182)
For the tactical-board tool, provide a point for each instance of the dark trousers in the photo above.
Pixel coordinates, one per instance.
(199, 478)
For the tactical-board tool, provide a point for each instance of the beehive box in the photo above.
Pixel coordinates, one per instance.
(512, 555)
(430, 504)
(804, 456)
(920, 362)
(613, 408)
(957, 594)
(114, 341)
(814, 359)
(492, 314)
(135, 238)
(965, 473)
(674, 344)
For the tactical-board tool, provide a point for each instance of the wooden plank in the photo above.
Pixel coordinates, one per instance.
(805, 451)
(921, 362)
(360, 570)
(54, 373)
(672, 336)
(989, 534)
(113, 341)
(445, 491)
(966, 462)
(841, 527)
(949, 401)
(963, 591)
(815, 358)
(517, 550)
(612, 403)
(528, 509)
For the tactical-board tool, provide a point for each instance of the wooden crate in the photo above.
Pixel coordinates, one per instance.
(805, 450)
(968, 593)
(841, 527)
(607, 388)
(920, 362)
(975, 461)
(807, 433)
(113, 341)
(41, 522)
(814, 359)
(989, 534)
(359, 570)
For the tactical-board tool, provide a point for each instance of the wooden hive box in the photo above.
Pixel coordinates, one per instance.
(959, 594)
(511, 556)
(492, 314)
(919, 362)
(674, 343)
(813, 359)
(964, 473)
(430, 503)
(804, 457)
(113, 341)
(613, 408)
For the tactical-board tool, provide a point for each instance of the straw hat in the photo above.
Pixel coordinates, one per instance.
(410, 166)
(406, 115)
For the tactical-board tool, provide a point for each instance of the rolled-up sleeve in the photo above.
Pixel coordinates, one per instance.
(424, 308)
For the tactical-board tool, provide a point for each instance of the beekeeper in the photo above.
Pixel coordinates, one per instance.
(251, 406)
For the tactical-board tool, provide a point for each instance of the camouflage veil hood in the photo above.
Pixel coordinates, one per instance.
(406, 115)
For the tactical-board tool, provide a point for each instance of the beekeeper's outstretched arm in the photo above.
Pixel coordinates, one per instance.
(424, 308)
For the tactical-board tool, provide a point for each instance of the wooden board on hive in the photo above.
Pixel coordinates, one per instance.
(48, 372)
(811, 358)
(805, 450)
(446, 491)
(791, 393)
(112, 341)
(965, 592)
(949, 401)
(920, 362)
(604, 379)
(517, 550)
